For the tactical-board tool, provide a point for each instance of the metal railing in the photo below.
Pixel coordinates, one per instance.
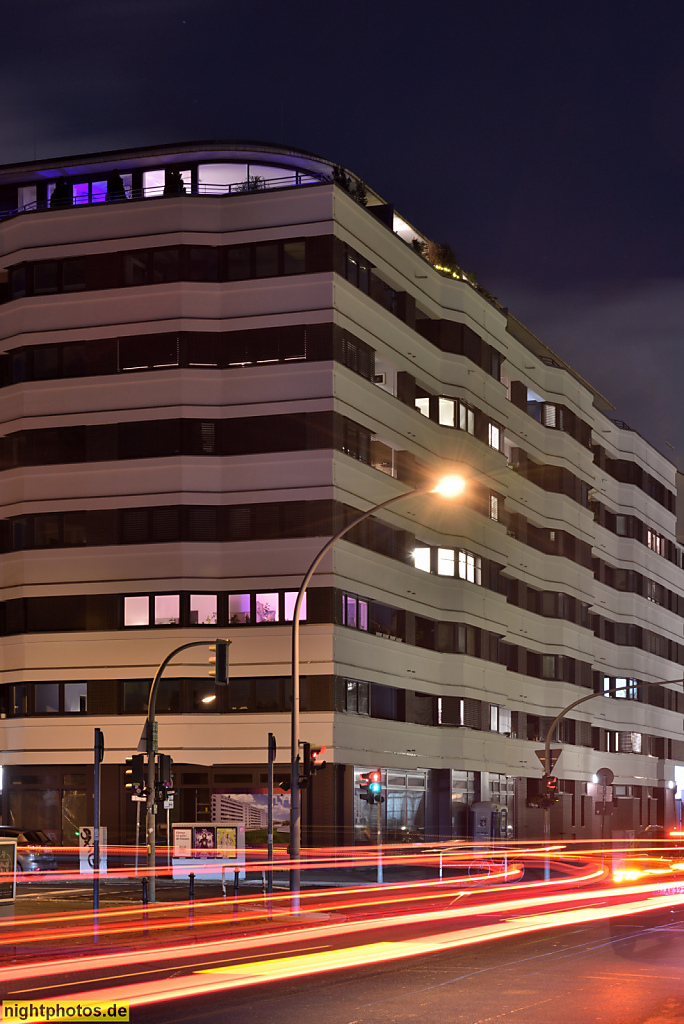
(248, 186)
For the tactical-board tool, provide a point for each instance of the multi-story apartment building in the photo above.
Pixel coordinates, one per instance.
(212, 355)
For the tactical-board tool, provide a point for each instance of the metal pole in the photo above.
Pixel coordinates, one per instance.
(98, 751)
(137, 834)
(271, 759)
(379, 842)
(152, 748)
(295, 800)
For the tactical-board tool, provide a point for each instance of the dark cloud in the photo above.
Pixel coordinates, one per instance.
(543, 142)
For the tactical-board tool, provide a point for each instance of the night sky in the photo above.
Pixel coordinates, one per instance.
(543, 141)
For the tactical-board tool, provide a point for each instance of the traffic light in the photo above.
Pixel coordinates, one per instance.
(164, 770)
(313, 759)
(549, 794)
(134, 772)
(218, 661)
(371, 786)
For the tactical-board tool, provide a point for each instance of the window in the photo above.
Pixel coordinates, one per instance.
(354, 612)
(447, 412)
(167, 610)
(495, 436)
(239, 609)
(266, 259)
(505, 721)
(423, 406)
(239, 263)
(46, 277)
(655, 541)
(136, 611)
(470, 567)
(203, 609)
(202, 263)
(494, 507)
(75, 698)
(267, 608)
(466, 418)
(135, 268)
(290, 600)
(294, 257)
(46, 698)
(493, 718)
(549, 668)
(421, 559)
(445, 561)
(357, 697)
(626, 689)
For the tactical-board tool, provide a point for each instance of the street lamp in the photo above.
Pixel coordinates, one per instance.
(450, 486)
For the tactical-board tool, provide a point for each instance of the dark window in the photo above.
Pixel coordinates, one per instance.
(73, 275)
(239, 263)
(18, 282)
(46, 363)
(266, 259)
(46, 278)
(165, 265)
(294, 257)
(202, 263)
(136, 265)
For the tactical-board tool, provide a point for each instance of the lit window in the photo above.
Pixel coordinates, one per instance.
(494, 436)
(655, 542)
(136, 611)
(445, 561)
(494, 507)
(470, 567)
(446, 412)
(239, 610)
(203, 609)
(466, 418)
(550, 417)
(290, 599)
(75, 698)
(81, 193)
(153, 183)
(354, 612)
(505, 721)
(267, 607)
(423, 406)
(548, 666)
(98, 191)
(166, 610)
(421, 559)
(493, 717)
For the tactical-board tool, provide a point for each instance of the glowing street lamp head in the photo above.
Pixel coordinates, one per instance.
(209, 698)
(449, 486)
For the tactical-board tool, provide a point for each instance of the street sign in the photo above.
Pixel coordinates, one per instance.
(138, 799)
(168, 803)
(554, 754)
(603, 809)
(605, 776)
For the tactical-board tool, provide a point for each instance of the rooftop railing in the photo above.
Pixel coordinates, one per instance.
(253, 184)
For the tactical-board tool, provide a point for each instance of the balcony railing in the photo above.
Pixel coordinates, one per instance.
(257, 184)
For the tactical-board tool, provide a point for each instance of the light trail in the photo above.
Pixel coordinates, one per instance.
(224, 978)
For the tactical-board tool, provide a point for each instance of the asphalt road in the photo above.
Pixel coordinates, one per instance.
(573, 976)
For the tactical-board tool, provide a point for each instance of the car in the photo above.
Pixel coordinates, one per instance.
(34, 849)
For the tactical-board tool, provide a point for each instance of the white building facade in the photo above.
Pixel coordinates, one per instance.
(211, 357)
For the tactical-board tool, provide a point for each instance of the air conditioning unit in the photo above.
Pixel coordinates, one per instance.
(379, 378)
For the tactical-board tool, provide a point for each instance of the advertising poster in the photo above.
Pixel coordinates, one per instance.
(226, 841)
(182, 842)
(250, 809)
(205, 842)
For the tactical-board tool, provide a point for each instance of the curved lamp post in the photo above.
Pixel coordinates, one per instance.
(447, 487)
(547, 743)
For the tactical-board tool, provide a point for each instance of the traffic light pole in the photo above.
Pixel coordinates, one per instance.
(295, 796)
(152, 747)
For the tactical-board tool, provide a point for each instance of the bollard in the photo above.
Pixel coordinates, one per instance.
(191, 887)
(236, 880)
(144, 891)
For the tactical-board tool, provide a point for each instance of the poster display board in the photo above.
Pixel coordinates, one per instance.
(206, 848)
(86, 859)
